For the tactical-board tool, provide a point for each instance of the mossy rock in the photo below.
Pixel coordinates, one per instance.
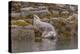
(25, 35)
(21, 23)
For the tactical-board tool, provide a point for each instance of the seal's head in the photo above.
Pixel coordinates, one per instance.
(51, 35)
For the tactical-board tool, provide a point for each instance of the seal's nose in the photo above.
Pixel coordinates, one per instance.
(51, 38)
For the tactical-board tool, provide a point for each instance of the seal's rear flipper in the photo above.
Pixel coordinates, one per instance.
(36, 17)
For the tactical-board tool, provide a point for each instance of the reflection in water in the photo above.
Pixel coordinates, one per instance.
(46, 44)
(28, 46)
(27, 43)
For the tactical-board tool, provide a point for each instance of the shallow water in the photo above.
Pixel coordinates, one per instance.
(29, 44)
(44, 45)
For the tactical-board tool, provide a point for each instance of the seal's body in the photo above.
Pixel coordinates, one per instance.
(45, 28)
